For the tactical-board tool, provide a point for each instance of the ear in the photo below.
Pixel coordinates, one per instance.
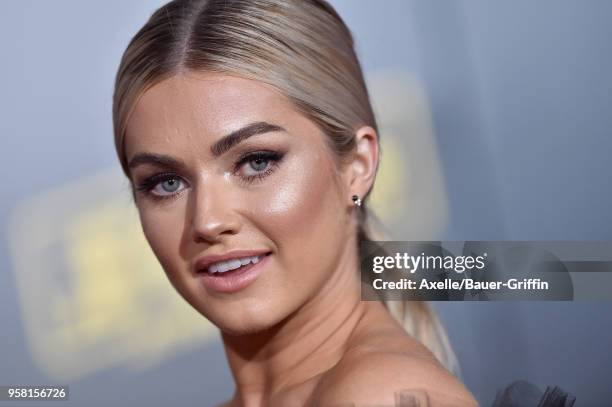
(361, 168)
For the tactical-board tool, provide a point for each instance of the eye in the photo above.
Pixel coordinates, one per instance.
(169, 186)
(258, 165)
(162, 185)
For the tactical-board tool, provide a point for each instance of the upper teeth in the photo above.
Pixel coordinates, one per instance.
(233, 264)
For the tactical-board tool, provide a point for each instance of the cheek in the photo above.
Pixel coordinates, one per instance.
(304, 216)
(161, 230)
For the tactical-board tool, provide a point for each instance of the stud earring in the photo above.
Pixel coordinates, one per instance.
(356, 200)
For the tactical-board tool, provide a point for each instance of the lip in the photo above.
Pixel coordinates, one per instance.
(205, 261)
(234, 280)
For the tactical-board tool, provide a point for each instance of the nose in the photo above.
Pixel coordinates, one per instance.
(212, 215)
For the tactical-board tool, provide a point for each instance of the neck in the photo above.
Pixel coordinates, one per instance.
(303, 346)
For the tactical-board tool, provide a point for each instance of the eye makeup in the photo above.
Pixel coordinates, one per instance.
(251, 167)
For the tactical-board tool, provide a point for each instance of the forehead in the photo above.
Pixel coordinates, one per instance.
(202, 105)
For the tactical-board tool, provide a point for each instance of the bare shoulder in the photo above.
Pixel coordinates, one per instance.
(386, 377)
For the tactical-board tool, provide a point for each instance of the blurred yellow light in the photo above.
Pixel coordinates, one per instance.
(93, 295)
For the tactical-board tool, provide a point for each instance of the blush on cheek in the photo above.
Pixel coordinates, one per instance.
(301, 198)
(303, 215)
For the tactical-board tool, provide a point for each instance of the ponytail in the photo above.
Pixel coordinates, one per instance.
(416, 317)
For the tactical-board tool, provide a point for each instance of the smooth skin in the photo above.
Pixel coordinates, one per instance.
(299, 334)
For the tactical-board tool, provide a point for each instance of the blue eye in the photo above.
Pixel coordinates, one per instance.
(250, 168)
(170, 185)
(258, 165)
(167, 187)
(162, 186)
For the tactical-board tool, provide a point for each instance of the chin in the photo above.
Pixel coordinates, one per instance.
(236, 321)
(240, 328)
(243, 330)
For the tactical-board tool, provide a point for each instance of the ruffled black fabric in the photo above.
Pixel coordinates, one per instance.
(524, 394)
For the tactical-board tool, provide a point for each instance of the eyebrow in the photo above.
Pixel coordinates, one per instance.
(217, 149)
(235, 137)
(156, 159)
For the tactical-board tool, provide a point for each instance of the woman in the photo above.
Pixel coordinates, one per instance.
(246, 132)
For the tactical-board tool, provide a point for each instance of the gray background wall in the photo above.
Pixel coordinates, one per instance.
(520, 100)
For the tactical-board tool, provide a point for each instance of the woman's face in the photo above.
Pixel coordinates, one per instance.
(276, 192)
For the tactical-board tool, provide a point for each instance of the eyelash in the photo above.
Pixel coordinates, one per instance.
(273, 157)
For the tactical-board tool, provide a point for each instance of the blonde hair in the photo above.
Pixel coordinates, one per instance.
(300, 47)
